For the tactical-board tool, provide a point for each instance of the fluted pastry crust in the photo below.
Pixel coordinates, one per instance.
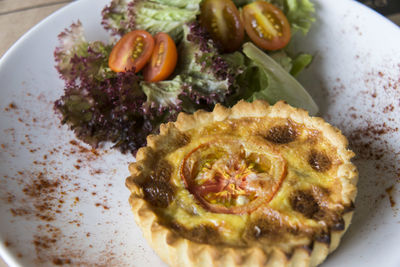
(310, 185)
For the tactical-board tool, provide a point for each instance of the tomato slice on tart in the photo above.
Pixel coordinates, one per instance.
(266, 25)
(226, 177)
(132, 51)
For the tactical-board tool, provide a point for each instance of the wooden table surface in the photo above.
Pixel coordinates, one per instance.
(18, 16)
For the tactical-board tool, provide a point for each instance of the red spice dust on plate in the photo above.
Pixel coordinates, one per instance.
(60, 192)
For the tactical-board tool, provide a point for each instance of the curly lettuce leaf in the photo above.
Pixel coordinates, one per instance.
(78, 60)
(107, 111)
(153, 16)
(208, 77)
(116, 17)
(163, 96)
(99, 105)
(249, 80)
(300, 14)
(72, 43)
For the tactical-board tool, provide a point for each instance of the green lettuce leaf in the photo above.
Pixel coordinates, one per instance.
(300, 14)
(163, 94)
(153, 16)
(281, 85)
(283, 59)
(264, 78)
(293, 64)
(300, 62)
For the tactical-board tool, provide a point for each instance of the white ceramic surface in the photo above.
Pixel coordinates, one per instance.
(355, 79)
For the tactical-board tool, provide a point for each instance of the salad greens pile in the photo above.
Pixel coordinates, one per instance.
(101, 105)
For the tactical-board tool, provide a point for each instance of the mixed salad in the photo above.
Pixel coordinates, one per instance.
(168, 56)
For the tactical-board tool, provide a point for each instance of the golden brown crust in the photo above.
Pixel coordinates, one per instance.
(179, 251)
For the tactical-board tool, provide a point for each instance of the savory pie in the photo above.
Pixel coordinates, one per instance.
(254, 185)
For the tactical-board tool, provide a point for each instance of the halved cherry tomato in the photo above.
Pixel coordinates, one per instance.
(222, 20)
(163, 60)
(132, 51)
(266, 25)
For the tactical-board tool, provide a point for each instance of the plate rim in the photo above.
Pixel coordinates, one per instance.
(5, 253)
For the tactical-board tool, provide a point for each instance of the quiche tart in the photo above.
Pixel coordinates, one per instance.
(254, 185)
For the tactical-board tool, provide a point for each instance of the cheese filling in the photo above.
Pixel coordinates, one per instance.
(239, 184)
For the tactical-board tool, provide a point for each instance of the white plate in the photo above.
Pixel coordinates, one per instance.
(355, 79)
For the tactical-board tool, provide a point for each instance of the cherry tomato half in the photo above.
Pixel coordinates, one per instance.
(266, 25)
(163, 60)
(133, 50)
(222, 20)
